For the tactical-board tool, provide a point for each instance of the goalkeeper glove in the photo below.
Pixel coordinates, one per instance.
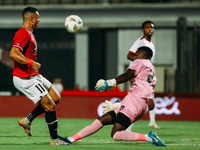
(109, 106)
(101, 85)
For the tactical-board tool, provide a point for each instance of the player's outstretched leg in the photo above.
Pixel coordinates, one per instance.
(66, 139)
(89, 130)
(155, 139)
(132, 136)
(25, 123)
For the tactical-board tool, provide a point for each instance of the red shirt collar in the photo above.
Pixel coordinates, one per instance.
(145, 38)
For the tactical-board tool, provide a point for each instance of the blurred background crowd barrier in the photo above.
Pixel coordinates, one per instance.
(100, 49)
(88, 104)
(39, 2)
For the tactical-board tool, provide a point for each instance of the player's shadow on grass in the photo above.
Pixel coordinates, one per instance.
(22, 136)
(130, 143)
(41, 143)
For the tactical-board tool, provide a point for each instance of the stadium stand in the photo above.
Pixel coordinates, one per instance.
(53, 2)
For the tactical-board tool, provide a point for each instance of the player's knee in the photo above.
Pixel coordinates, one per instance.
(48, 103)
(51, 107)
(114, 136)
(54, 95)
(57, 99)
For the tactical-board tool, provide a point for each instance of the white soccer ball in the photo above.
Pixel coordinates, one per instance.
(73, 23)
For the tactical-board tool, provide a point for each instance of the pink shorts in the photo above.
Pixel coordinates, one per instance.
(133, 107)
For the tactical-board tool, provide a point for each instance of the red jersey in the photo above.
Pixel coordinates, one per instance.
(26, 42)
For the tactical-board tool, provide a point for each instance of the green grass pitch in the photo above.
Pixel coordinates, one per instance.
(177, 135)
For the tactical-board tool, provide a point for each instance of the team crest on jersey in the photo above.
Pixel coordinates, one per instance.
(122, 107)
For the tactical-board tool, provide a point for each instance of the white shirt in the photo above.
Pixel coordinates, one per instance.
(142, 41)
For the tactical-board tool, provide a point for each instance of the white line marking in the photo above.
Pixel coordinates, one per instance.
(118, 142)
(184, 144)
(190, 139)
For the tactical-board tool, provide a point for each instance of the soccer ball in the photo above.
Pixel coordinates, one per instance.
(73, 23)
(115, 100)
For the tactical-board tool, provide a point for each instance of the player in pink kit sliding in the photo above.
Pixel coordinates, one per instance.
(144, 40)
(134, 106)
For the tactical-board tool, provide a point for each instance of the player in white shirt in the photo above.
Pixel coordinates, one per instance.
(145, 40)
(142, 41)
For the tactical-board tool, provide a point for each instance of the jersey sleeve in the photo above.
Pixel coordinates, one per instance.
(138, 43)
(20, 40)
(134, 47)
(154, 53)
(150, 45)
(136, 65)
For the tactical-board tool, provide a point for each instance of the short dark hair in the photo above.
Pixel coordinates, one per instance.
(147, 50)
(148, 21)
(29, 9)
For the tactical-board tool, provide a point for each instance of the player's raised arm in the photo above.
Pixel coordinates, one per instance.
(16, 55)
(125, 76)
(101, 84)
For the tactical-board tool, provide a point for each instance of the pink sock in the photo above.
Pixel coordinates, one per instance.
(128, 136)
(76, 137)
(94, 127)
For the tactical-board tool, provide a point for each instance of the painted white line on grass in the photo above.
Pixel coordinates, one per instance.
(109, 142)
(184, 144)
(190, 139)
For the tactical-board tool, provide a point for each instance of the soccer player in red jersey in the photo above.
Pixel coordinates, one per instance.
(27, 79)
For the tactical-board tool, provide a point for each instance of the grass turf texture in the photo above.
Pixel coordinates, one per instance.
(177, 135)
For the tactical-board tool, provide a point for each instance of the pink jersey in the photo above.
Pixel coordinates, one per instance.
(144, 80)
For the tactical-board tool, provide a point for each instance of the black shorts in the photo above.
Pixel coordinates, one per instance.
(120, 118)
